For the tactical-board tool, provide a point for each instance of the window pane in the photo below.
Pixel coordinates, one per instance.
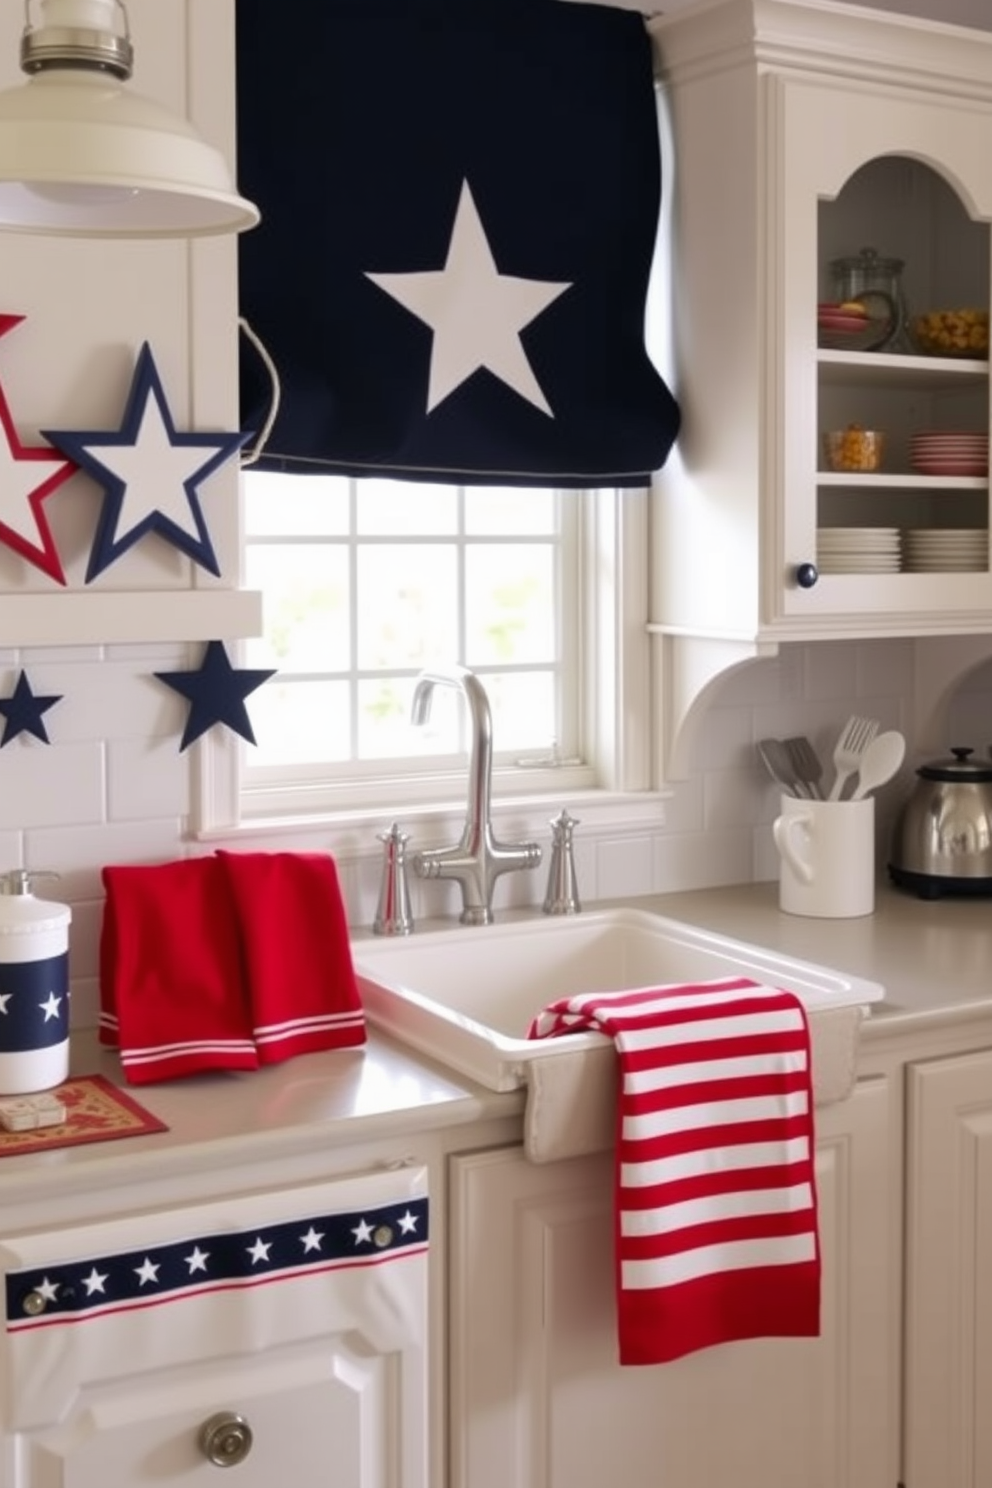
(398, 509)
(299, 722)
(278, 505)
(523, 709)
(505, 510)
(306, 606)
(408, 609)
(384, 727)
(509, 604)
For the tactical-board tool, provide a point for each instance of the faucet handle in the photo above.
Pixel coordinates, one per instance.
(393, 916)
(562, 895)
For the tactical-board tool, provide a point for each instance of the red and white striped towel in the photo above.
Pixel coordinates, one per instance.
(716, 1218)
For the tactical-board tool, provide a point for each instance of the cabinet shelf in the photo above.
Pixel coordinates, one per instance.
(902, 482)
(880, 369)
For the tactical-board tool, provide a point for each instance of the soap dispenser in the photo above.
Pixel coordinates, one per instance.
(34, 986)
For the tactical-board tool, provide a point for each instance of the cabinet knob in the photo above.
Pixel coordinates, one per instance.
(807, 575)
(34, 1304)
(225, 1440)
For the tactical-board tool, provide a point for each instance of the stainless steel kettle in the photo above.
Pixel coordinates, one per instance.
(942, 843)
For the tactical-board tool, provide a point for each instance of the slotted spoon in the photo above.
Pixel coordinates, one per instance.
(807, 765)
(854, 739)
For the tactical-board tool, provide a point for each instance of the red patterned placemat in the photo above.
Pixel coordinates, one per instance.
(95, 1111)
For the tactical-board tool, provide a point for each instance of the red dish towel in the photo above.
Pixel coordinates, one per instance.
(225, 962)
(171, 981)
(716, 1219)
(301, 983)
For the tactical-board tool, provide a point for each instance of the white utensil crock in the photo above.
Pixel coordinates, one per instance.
(827, 851)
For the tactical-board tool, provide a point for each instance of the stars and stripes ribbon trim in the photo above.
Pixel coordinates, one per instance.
(72, 1291)
(716, 1210)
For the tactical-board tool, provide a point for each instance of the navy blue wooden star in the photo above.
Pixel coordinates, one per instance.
(216, 694)
(22, 712)
(150, 474)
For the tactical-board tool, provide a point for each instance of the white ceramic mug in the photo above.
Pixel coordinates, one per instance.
(827, 850)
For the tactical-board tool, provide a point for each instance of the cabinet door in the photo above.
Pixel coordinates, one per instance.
(538, 1400)
(908, 175)
(949, 1274)
(282, 1333)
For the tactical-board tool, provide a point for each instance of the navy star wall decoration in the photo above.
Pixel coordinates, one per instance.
(29, 474)
(22, 712)
(216, 694)
(150, 474)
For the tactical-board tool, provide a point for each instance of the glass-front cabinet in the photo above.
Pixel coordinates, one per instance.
(822, 313)
(885, 398)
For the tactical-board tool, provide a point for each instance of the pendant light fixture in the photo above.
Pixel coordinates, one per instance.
(82, 156)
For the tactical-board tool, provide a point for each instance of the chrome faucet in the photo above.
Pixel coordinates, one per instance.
(477, 859)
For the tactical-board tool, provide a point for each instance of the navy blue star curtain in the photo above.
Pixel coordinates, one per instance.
(460, 200)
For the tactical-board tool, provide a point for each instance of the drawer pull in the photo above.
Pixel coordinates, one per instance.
(382, 1236)
(225, 1440)
(34, 1304)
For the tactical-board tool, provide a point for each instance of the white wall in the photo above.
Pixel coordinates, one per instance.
(112, 786)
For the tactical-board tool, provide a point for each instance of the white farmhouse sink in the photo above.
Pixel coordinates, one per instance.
(466, 996)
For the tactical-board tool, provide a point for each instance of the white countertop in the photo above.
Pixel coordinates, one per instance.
(933, 957)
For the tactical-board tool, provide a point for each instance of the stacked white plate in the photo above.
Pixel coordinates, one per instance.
(857, 550)
(949, 454)
(945, 550)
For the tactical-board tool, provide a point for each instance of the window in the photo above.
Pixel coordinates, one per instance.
(542, 593)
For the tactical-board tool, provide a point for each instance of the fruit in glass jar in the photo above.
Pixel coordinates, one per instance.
(854, 448)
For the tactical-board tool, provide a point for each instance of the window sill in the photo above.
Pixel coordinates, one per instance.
(352, 836)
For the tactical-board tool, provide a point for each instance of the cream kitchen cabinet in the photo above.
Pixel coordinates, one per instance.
(538, 1400)
(948, 1430)
(281, 1332)
(795, 134)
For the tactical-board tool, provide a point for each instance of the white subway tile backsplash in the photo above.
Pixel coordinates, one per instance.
(113, 787)
(625, 865)
(44, 785)
(147, 779)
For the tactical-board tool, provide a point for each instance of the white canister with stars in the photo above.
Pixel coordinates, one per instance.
(34, 986)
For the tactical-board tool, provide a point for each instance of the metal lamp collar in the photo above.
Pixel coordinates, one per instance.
(64, 42)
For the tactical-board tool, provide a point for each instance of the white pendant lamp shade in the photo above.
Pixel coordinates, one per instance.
(82, 156)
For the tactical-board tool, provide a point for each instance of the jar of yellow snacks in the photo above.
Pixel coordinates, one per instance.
(951, 333)
(854, 448)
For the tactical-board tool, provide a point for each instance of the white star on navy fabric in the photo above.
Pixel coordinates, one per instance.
(150, 474)
(4, 999)
(408, 1223)
(362, 1232)
(95, 1281)
(197, 1259)
(311, 1240)
(475, 312)
(260, 1250)
(50, 1007)
(147, 1271)
(47, 1289)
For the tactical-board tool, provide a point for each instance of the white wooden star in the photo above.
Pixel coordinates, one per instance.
(475, 312)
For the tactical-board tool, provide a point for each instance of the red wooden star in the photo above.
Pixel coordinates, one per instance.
(25, 527)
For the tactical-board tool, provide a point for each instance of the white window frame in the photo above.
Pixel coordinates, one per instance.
(616, 703)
